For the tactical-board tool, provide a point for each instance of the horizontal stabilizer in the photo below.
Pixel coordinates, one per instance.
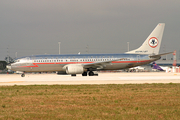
(159, 55)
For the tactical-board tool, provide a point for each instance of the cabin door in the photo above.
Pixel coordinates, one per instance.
(138, 58)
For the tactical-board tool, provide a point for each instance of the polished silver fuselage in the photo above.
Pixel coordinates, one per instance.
(44, 63)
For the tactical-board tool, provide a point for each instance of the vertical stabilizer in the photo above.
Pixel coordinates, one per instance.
(153, 42)
(157, 67)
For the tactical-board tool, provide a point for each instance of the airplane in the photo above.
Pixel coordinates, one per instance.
(163, 68)
(86, 64)
(137, 69)
(3, 65)
(157, 67)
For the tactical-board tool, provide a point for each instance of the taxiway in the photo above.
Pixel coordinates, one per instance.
(103, 78)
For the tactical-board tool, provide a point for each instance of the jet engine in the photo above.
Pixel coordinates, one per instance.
(74, 69)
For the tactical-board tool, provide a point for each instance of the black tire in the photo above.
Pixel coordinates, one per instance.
(73, 75)
(95, 74)
(91, 73)
(22, 75)
(84, 74)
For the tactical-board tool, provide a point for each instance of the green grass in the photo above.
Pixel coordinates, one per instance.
(129, 101)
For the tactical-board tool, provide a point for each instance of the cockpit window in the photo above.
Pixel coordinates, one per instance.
(17, 60)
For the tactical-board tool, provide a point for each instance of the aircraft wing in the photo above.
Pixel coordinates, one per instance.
(100, 65)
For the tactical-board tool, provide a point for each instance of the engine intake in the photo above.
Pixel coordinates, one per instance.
(74, 69)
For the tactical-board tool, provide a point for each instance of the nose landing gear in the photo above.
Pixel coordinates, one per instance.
(23, 75)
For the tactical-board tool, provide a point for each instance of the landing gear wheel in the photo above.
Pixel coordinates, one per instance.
(23, 75)
(84, 74)
(73, 75)
(91, 73)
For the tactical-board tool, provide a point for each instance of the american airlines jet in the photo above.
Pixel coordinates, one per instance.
(85, 64)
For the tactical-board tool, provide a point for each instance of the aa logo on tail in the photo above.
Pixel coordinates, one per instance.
(153, 42)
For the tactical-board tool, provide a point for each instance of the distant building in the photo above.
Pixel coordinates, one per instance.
(167, 62)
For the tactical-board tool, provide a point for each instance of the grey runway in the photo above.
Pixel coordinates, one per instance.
(103, 78)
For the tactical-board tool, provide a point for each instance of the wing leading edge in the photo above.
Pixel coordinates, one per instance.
(100, 65)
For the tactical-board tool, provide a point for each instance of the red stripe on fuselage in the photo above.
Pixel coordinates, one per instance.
(35, 65)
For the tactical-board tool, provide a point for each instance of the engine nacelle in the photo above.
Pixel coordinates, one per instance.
(74, 69)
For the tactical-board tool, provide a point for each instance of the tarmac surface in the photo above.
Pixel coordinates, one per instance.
(102, 78)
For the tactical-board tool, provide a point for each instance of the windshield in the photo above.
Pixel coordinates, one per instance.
(17, 60)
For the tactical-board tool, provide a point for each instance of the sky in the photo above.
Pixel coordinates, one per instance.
(34, 27)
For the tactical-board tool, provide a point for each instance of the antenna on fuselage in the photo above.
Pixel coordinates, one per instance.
(87, 49)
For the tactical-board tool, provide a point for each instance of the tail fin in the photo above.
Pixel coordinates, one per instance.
(153, 42)
(157, 67)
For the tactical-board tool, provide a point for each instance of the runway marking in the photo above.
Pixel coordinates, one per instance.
(108, 78)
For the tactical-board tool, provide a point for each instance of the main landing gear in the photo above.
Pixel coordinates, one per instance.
(73, 75)
(90, 73)
(23, 75)
(84, 74)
